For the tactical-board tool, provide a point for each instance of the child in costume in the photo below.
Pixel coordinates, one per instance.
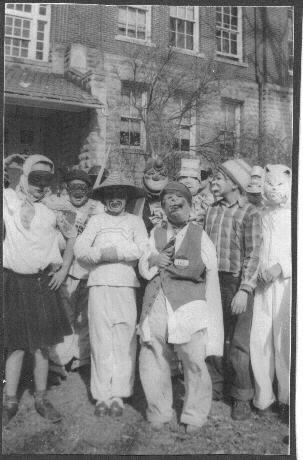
(190, 174)
(74, 290)
(182, 312)
(33, 317)
(234, 226)
(270, 334)
(112, 243)
(255, 189)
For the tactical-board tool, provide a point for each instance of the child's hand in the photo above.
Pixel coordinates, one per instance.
(239, 302)
(109, 255)
(271, 274)
(161, 260)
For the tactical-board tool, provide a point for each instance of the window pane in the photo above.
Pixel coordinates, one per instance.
(8, 30)
(122, 14)
(189, 42)
(189, 28)
(7, 50)
(39, 46)
(218, 42)
(185, 147)
(190, 13)
(182, 12)
(141, 33)
(180, 41)
(234, 22)
(173, 11)
(17, 32)
(19, 6)
(234, 11)
(27, 8)
(9, 20)
(18, 22)
(135, 138)
(16, 42)
(218, 18)
(181, 26)
(7, 40)
(41, 25)
(26, 24)
(10, 6)
(226, 9)
(173, 23)
(226, 46)
(233, 47)
(39, 55)
(15, 52)
(42, 10)
(172, 38)
(226, 21)
(40, 36)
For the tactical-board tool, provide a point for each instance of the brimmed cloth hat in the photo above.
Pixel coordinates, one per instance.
(77, 174)
(117, 179)
(172, 187)
(238, 171)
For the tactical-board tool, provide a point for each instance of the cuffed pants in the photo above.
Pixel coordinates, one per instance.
(233, 372)
(270, 342)
(74, 297)
(155, 373)
(112, 318)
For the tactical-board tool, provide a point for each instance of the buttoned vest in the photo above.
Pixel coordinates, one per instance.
(183, 280)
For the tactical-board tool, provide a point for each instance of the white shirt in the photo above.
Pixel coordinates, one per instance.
(195, 315)
(27, 251)
(127, 234)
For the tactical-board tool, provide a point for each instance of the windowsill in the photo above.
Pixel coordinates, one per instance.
(21, 60)
(188, 52)
(137, 41)
(226, 60)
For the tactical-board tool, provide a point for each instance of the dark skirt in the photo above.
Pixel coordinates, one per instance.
(34, 317)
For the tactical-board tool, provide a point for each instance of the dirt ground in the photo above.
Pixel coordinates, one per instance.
(81, 433)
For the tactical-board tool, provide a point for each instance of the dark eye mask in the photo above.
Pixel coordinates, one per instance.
(40, 178)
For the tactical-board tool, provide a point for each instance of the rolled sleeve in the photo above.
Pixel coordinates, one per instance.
(83, 249)
(252, 246)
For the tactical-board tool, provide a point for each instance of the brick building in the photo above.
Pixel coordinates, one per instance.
(64, 96)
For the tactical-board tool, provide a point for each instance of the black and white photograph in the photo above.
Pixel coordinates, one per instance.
(149, 228)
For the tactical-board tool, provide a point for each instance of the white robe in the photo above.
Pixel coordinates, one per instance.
(270, 333)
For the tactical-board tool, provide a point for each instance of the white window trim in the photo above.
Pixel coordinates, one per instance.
(147, 39)
(34, 17)
(196, 35)
(239, 56)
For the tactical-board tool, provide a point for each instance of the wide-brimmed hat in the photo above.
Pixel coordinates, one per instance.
(238, 171)
(117, 179)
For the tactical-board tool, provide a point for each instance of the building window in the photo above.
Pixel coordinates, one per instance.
(231, 127)
(184, 138)
(27, 30)
(131, 129)
(229, 32)
(290, 39)
(134, 22)
(184, 27)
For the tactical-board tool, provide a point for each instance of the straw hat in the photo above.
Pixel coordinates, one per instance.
(238, 171)
(116, 179)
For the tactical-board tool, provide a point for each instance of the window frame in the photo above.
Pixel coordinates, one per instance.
(195, 22)
(34, 17)
(239, 32)
(147, 39)
(132, 116)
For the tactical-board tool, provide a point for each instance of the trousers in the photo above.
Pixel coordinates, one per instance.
(74, 297)
(155, 372)
(270, 342)
(112, 316)
(232, 373)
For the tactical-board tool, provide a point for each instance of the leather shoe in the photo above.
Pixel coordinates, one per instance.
(115, 409)
(241, 410)
(101, 409)
(10, 408)
(47, 410)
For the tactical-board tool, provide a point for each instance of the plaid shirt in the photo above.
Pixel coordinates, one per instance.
(236, 233)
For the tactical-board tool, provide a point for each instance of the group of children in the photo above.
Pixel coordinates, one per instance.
(217, 268)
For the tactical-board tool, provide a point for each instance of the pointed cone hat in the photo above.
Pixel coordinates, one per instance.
(115, 180)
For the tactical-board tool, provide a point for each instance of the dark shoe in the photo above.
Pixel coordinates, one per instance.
(241, 410)
(47, 410)
(101, 409)
(284, 413)
(266, 412)
(10, 408)
(115, 409)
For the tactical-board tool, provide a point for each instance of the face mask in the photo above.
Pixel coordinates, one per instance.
(78, 190)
